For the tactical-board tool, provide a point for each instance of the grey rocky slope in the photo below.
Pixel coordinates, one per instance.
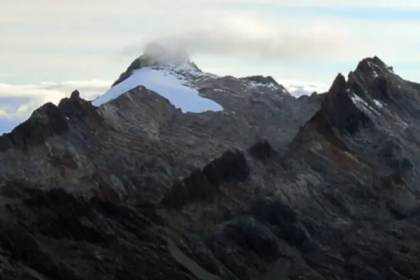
(272, 187)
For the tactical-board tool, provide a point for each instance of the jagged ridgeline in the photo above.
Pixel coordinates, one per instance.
(175, 173)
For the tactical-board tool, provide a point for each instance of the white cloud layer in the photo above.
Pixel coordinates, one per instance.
(299, 88)
(402, 4)
(204, 26)
(18, 101)
(255, 36)
(252, 37)
(137, 7)
(84, 40)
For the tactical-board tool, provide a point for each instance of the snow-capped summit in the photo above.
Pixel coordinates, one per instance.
(168, 71)
(165, 71)
(159, 56)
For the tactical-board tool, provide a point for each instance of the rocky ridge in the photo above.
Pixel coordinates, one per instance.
(272, 187)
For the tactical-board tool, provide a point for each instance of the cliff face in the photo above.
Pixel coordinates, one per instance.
(320, 187)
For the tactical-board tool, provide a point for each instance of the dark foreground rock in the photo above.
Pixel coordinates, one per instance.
(273, 187)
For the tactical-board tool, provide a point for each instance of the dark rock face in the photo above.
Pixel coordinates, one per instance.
(85, 237)
(273, 187)
(48, 121)
(201, 184)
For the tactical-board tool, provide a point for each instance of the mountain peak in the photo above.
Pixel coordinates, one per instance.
(371, 67)
(372, 60)
(357, 101)
(338, 85)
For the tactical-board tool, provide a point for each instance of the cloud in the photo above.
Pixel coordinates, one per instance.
(85, 40)
(255, 36)
(17, 102)
(139, 7)
(299, 88)
(22, 10)
(252, 37)
(328, 3)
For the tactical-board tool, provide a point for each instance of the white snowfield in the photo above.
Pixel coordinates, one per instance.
(166, 84)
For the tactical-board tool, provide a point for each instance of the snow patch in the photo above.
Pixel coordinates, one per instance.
(373, 66)
(361, 104)
(183, 70)
(253, 84)
(167, 84)
(378, 103)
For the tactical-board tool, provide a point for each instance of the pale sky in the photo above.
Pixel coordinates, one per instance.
(50, 47)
